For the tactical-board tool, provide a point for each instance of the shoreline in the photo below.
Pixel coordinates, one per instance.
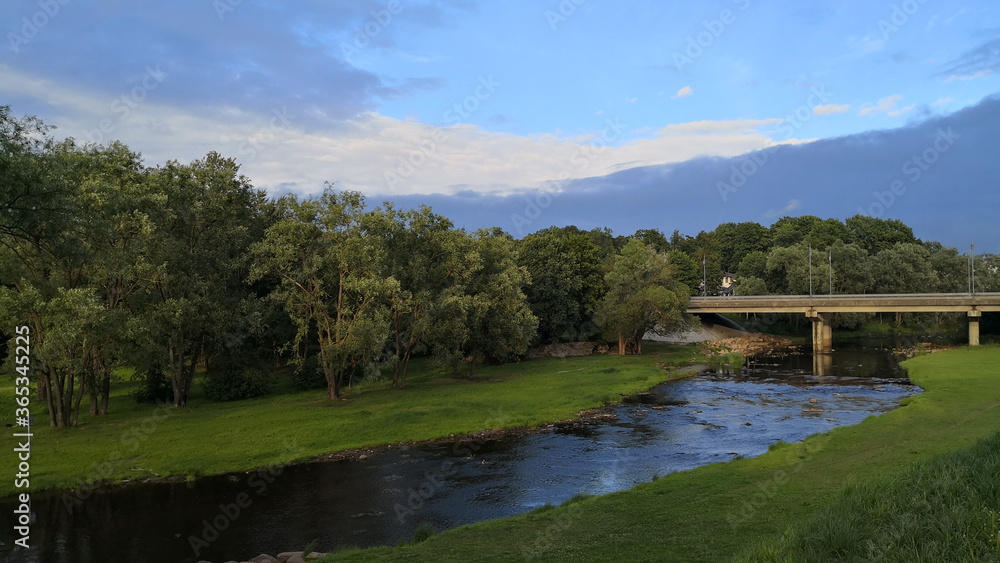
(742, 502)
(584, 416)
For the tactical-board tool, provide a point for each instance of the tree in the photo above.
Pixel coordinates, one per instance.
(421, 251)
(736, 240)
(485, 315)
(875, 234)
(642, 297)
(792, 264)
(904, 268)
(196, 291)
(331, 284)
(686, 271)
(567, 281)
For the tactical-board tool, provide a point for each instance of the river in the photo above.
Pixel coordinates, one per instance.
(679, 425)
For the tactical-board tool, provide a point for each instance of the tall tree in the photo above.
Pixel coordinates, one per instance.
(642, 296)
(331, 283)
(566, 282)
(210, 216)
(875, 234)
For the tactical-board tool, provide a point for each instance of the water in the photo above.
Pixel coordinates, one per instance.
(381, 500)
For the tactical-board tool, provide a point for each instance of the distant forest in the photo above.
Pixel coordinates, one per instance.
(123, 270)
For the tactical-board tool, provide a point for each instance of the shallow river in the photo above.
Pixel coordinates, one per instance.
(381, 500)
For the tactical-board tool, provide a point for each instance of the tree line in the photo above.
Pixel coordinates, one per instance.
(116, 267)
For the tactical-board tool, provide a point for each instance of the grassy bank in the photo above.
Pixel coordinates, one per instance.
(144, 441)
(945, 509)
(716, 512)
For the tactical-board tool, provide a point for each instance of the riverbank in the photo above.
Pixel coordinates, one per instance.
(142, 443)
(718, 511)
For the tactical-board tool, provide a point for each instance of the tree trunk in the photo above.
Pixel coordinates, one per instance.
(621, 344)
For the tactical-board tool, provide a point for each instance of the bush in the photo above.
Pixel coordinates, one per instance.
(237, 384)
(309, 375)
(154, 386)
(423, 533)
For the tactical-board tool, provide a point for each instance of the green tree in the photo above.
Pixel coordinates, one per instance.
(485, 315)
(567, 281)
(331, 283)
(196, 292)
(642, 296)
(736, 240)
(875, 234)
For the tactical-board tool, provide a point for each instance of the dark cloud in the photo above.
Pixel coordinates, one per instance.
(952, 199)
(983, 59)
(253, 56)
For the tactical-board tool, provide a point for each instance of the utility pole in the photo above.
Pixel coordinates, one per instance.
(810, 269)
(704, 275)
(972, 267)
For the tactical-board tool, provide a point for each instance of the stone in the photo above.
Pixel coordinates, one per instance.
(284, 557)
(263, 558)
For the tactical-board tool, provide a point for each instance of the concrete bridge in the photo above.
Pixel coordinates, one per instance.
(820, 308)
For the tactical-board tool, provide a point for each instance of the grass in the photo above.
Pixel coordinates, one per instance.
(717, 512)
(205, 438)
(944, 509)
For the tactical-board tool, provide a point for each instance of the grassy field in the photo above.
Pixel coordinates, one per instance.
(720, 511)
(144, 441)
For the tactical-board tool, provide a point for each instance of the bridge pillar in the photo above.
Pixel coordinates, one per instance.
(974, 317)
(822, 331)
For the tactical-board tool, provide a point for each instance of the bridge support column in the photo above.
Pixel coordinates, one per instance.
(822, 331)
(974, 317)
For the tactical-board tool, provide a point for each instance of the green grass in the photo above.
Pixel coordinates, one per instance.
(945, 509)
(205, 438)
(718, 511)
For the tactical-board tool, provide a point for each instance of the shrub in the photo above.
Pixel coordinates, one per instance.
(423, 533)
(237, 384)
(153, 386)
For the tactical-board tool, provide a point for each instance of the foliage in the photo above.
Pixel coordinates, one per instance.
(237, 384)
(423, 533)
(153, 387)
(642, 297)
(566, 282)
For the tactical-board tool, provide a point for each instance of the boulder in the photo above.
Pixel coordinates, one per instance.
(263, 558)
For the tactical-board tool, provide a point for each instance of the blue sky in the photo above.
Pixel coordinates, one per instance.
(486, 108)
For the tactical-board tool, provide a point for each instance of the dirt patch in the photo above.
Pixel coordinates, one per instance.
(753, 344)
(565, 349)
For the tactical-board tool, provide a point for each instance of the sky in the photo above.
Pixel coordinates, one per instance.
(627, 114)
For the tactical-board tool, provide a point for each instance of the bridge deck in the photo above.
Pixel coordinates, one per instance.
(896, 303)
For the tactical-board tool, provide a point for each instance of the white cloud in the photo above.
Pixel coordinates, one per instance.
(884, 105)
(792, 206)
(682, 93)
(901, 111)
(380, 155)
(943, 102)
(831, 109)
(970, 76)
(631, 100)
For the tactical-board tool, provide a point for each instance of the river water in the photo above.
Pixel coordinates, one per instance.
(381, 500)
